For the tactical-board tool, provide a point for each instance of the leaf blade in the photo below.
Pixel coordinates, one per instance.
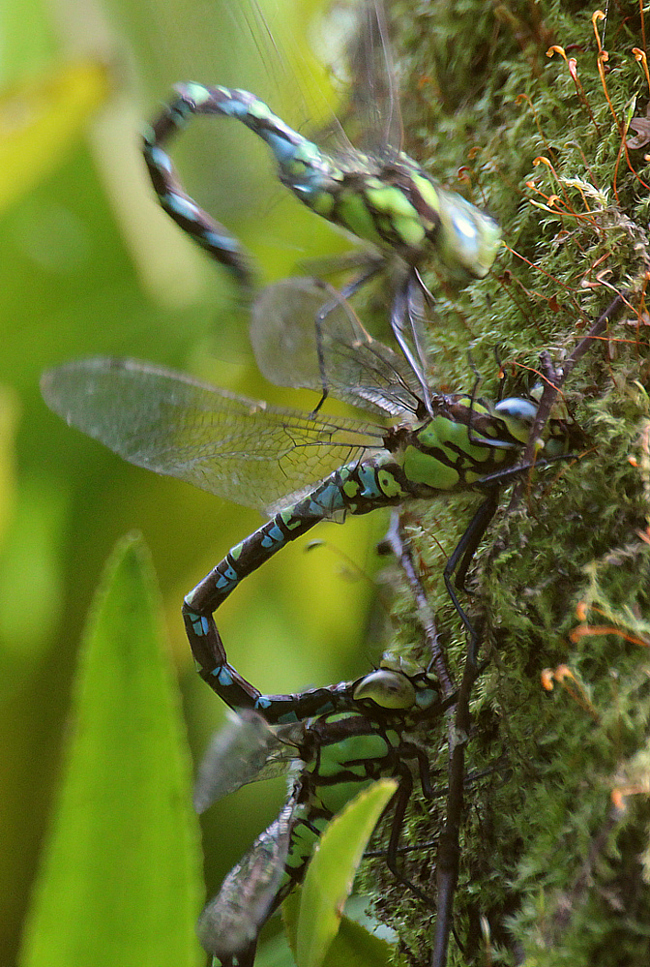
(121, 880)
(331, 872)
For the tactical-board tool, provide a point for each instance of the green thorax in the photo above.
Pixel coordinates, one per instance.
(394, 204)
(350, 752)
(464, 442)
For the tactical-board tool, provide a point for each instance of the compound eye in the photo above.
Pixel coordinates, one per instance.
(518, 415)
(387, 689)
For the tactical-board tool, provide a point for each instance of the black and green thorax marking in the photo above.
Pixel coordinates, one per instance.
(335, 755)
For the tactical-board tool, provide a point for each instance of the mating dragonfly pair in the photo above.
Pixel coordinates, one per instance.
(304, 468)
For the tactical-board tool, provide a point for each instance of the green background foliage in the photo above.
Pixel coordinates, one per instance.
(89, 265)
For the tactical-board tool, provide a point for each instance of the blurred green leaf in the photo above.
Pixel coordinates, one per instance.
(41, 118)
(331, 872)
(120, 883)
(9, 409)
(30, 570)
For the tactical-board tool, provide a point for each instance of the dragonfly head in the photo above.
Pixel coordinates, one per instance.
(560, 435)
(398, 686)
(518, 414)
(388, 689)
(468, 239)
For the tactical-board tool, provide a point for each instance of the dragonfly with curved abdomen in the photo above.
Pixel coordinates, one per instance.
(301, 468)
(333, 756)
(376, 191)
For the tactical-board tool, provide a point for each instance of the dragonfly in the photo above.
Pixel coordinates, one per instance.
(376, 192)
(333, 755)
(302, 468)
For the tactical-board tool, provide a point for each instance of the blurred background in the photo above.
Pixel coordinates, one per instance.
(90, 265)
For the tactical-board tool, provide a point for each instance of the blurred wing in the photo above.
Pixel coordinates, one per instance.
(245, 750)
(240, 449)
(358, 369)
(230, 923)
(353, 39)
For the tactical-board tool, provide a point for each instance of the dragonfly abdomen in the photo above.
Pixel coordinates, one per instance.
(389, 201)
(355, 488)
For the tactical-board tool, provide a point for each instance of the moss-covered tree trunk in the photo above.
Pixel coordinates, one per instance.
(554, 863)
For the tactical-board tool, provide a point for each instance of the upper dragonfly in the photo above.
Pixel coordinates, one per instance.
(375, 191)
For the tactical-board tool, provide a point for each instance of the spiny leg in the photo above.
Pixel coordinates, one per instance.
(463, 554)
(401, 548)
(338, 298)
(458, 731)
(448, 846)
(464, 551)
(448, 843)
(402, 320)
(400, 801)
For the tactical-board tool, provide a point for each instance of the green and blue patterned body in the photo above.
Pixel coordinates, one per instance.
(388, 200)
(459, 449)
(254, 453)
(337, 754)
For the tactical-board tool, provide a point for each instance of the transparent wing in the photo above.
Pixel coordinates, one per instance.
(353, 38)
(240, 449)
(357, 368)
(246, 749)
(230, 923)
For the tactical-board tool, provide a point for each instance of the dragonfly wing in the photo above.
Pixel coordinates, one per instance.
(240, 449)
(358, 368)
(245, 750)
(230, 923)
(355, 44)
(374, 94)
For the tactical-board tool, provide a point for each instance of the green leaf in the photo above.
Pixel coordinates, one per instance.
(353, 945)
(41, 118)
(120, 883)
(331, 872)
(9, 414)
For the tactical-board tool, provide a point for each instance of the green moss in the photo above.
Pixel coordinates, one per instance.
(552, 872)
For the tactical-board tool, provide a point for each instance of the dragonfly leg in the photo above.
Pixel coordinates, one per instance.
(460, 560)
(448, 857)
(245, 958)
(464, 551)
(401, 548)
(414, 290)
(339, 298)
(403, 321)
(400, 801)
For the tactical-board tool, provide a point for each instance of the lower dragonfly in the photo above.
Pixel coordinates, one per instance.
(333, 755)
(302, 468)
